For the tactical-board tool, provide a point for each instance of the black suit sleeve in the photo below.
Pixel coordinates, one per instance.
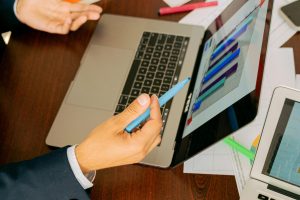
(8, 20)
(46, 177)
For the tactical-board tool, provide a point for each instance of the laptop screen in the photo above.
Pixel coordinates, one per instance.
(224, 90)
(229, 65)
(283, 158)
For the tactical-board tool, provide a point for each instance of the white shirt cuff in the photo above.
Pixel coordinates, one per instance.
(84, 180)
(15, 7)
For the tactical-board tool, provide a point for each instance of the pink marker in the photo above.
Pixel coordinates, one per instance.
(185, 8)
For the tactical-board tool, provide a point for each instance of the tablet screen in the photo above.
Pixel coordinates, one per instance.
(283, 159)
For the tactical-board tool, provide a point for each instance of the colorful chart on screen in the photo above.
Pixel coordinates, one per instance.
(229, 65)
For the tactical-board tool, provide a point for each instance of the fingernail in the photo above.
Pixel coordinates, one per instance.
(143, 99)
(154, 96)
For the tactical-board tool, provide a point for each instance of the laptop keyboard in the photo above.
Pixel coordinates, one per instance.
(155, 69)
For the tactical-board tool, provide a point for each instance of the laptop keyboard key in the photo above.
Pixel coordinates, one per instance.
(153, 38)
(159, 48)
(167, 79)
(166, 54)
(175, 52)
(169, 72)
(137, 85)
(123, 100)
(168, 47)
(146, 34)
(120, 108)
(154, 61)
(157, 82)
(145, 90)
(140, 78)
(145, 63)
(164, 60)
(156, 54)
(171, 65)
(177, 45)
(179, 38)
(162, 67)
(173, 58)
(149, 49)
(131, 77)
(155, 90)
(262, 197)
(135, 92)
(148, 83)
(142, 70)
(131, 99)
(165, 87)
(147, 56)
(150, 75)
(152, 68)
(161, 39)
(170, 39)
(159, 75)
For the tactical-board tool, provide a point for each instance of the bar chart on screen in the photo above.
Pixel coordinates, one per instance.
(224, 66)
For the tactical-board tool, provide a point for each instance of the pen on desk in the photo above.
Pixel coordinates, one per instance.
(162, 101)
(240, 148)
(185, 8)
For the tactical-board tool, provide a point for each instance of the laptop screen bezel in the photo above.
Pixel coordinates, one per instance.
(280, 95)
(193, 143)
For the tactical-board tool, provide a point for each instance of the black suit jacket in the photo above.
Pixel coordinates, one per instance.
(8, 20)
(46, 177)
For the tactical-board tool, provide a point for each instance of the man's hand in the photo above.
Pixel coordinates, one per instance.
(109, 145)
(55, 16)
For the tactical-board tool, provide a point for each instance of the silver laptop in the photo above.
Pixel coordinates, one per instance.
(275, 174)
(128, 56)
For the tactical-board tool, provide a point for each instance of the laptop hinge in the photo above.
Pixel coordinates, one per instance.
(284, 192)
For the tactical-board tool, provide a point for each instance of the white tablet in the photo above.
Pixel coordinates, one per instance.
(277, 160)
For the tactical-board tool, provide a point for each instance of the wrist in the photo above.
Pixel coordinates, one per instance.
(81, 159)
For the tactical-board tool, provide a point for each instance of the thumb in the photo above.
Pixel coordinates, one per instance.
(135, 109)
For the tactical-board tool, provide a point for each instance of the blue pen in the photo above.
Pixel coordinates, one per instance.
(162, 101)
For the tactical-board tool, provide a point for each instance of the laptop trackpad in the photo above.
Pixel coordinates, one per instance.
(101, 77)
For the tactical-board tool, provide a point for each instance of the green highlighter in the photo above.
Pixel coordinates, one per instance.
(240, 148)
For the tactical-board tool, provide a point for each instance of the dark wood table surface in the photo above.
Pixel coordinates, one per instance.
(35, 72)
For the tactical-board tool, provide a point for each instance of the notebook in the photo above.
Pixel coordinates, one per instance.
(128, 56)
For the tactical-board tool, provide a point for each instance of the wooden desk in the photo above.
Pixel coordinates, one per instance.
(36, 70)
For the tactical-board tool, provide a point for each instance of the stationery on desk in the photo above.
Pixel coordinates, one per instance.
(185, 8)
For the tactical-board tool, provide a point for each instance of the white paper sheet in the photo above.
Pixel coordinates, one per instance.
(205, 16)
(298, 81)
(173, 3)
(214, 160)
